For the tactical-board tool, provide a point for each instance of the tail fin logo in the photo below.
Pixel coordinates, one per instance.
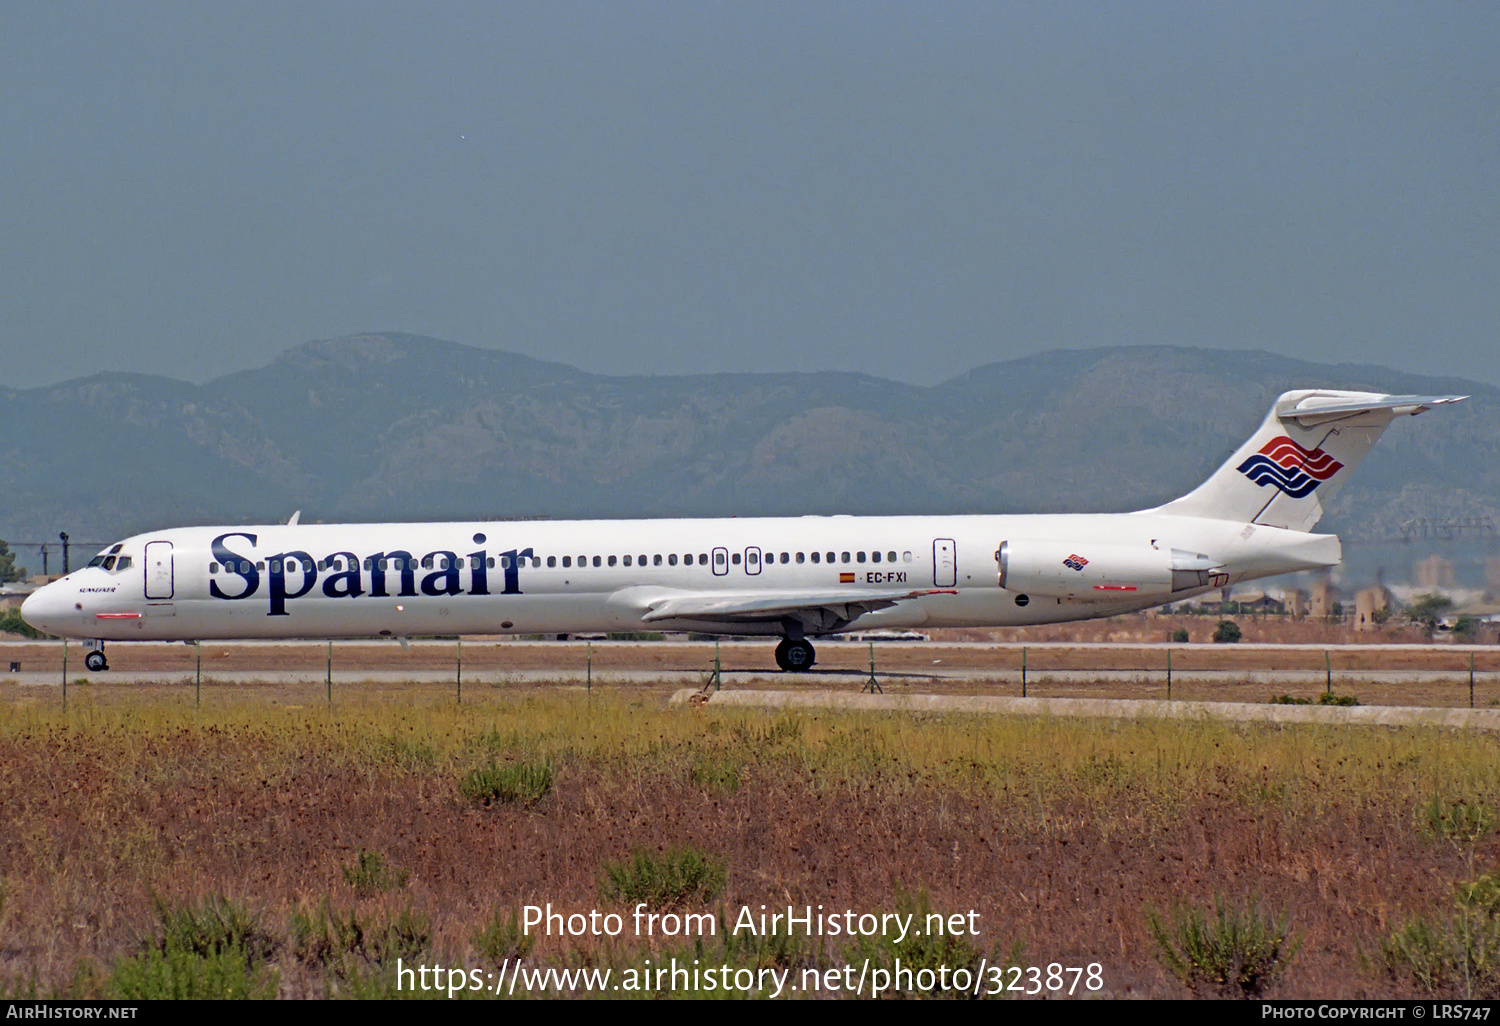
(1288, 466)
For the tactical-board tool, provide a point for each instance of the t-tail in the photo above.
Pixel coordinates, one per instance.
(1308, 445)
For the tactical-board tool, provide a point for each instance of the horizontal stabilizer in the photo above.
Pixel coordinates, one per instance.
(1316, 408)
(1308, 445)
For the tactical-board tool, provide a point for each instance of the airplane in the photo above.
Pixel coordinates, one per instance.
(796, 578)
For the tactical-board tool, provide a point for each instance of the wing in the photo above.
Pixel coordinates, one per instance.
(818, 610)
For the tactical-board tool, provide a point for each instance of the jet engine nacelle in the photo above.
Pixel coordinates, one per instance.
(1086, 571)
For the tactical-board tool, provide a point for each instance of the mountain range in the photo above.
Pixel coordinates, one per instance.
(401, 427)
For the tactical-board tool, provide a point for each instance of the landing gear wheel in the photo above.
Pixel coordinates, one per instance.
(795, 656)
(95, 662)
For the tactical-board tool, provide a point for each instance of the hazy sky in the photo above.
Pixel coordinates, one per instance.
(909, 190)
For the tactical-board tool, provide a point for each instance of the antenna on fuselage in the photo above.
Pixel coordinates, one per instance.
(295, 517)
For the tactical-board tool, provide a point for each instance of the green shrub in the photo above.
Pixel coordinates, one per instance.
(1462, 820)
(677, 877)
(1459, 952)
(215, 949)
(1290, 700)
(11, 623)
(370, 875)
(718, 776)
(1229, 952)
(176, 974)
(215, 925)
(1180, 636)
(322, 936)
(1227, 633)
(1329, 698)
(921, 949)
(503, 938)
(526, 782)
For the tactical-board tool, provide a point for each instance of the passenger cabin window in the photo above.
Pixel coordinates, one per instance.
(611, 560)
(735, 559)
(719, 558)
(551, 562)
(656, 559)
(846, 557)
(874, 557)
(598, 561)
(627, 560)
(859, 557)
(671, 559)
(906, 557)
(567, 561)
(799, 557)
(817, 557)
(703, 558)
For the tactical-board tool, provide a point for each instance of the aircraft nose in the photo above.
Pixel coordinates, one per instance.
(46, 609)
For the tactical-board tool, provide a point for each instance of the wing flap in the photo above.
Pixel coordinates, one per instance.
(766, 605)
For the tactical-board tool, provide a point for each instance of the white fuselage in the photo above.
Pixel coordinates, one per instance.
(555, 577)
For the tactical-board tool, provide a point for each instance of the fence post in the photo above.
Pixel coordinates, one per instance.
(1328, 667)
(718, 668)
(1471, 680)
(872, 685)
(589, 680)
(1023, 671)
(1169, 674)
(198, 676)
(459, 672)
(329, 677)
(65, 674)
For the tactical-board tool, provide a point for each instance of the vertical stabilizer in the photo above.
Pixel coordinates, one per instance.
(1306, 448)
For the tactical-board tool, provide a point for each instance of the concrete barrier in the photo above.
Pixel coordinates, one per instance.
(1112, 708)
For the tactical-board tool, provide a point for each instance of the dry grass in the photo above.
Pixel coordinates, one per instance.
(1059, 833)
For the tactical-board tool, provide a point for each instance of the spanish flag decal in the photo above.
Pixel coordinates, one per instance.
(846, 578)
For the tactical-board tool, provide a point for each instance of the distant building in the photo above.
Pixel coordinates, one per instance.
(1296, 603)
(12, 595)
(1370, 607)
(1435, 574)
(1323, 597)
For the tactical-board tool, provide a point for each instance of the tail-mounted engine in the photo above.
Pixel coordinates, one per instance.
(1102, 572)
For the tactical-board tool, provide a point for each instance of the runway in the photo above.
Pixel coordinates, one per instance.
(1440, 675)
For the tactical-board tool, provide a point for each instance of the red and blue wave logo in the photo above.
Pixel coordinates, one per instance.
(1284, 464)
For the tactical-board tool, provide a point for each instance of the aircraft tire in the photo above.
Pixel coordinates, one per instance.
(96, 662)
(795, 656)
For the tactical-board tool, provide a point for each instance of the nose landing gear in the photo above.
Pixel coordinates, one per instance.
(95, 661)
(795, 656)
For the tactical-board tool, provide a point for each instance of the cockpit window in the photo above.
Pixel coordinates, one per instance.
(97, 560)
(116, 548)
(109, 562)
(122, 564)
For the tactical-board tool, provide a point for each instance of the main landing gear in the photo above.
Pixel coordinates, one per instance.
(95, 661)
(795, 656)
